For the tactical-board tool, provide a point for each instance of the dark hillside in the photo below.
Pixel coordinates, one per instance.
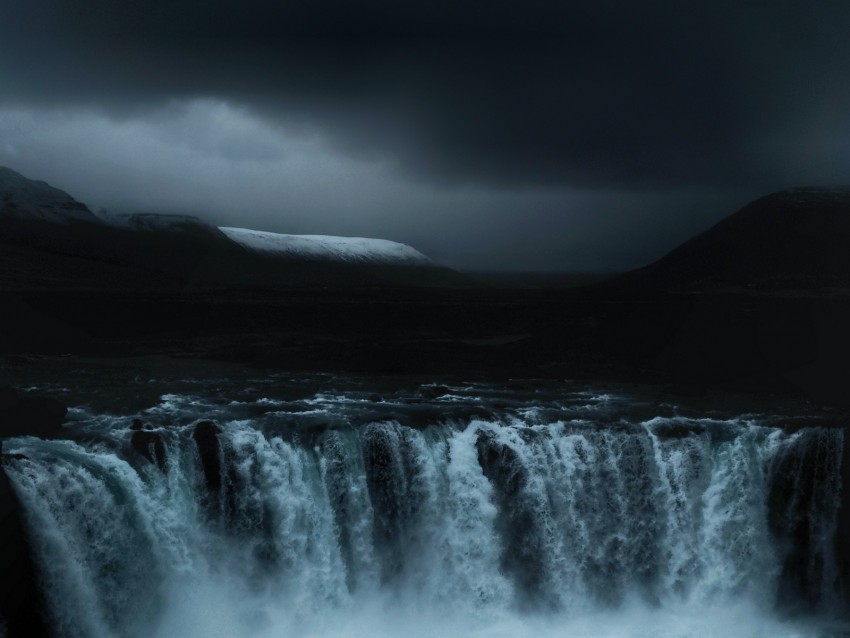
(793, 240)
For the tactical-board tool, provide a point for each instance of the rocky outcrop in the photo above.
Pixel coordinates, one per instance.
(842, 526)
(22, 608)
(516, 523)
(209, 448)
(802, 488)
(148, 444)
(21, 600)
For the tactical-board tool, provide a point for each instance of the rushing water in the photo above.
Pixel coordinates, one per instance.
(464, 510)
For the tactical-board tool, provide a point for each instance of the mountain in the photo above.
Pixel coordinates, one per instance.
(49, 240)
(793, 240)
(28, 199)
(761, 300)
(160, 222)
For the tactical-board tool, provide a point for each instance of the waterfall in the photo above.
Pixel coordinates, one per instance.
(494, 525)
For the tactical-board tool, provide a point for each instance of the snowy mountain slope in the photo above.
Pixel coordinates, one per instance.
(328, 248)
(33, 200)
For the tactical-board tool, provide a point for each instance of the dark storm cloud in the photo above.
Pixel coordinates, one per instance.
(492, 134)
(209, 158)
(590, 94)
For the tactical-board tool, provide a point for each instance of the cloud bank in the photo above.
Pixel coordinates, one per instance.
(545, 135)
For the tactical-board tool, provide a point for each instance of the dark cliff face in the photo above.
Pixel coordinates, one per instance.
(22, 608)
(792, 240)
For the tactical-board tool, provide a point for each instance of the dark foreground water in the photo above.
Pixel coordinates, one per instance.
(342, 508)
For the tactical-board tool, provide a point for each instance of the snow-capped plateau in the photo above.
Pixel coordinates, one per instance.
(28, 199)
(327, 247)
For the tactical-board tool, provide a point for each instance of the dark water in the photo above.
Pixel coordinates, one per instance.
(323, 506)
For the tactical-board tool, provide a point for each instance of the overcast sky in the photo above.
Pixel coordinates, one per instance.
(488, 134)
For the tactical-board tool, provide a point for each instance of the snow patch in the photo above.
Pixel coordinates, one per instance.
(326, 247)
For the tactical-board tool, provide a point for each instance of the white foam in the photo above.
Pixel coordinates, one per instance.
(289, 547)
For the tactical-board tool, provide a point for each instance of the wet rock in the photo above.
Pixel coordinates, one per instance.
(392, 468)
(22, 605)
(517, 524)
(841, 539)
(206, 438)
(802, 488)
(149, 445)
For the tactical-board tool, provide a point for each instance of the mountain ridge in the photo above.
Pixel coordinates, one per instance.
(26, 198)
(792, 240)
(53, 241)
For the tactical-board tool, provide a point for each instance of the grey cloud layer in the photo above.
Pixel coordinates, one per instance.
(586, 93)
(371, 116)
(232, 168)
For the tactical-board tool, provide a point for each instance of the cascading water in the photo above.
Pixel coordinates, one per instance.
(345, 515)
